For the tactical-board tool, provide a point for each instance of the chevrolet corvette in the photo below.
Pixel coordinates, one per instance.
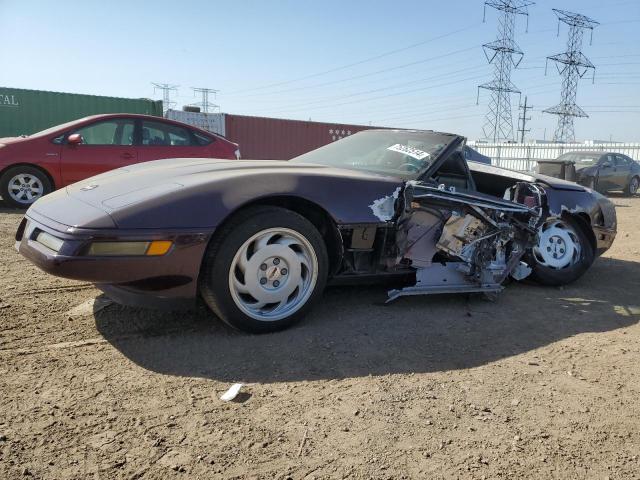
(258, 241)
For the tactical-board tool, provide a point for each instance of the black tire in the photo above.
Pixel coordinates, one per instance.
(545, 275)
(631, 189)
(34, 175)
(219, 257)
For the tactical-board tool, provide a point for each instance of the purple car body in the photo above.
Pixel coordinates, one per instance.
(186, 201)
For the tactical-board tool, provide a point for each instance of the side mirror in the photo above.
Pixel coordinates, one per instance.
(74, 139)
(607, 164)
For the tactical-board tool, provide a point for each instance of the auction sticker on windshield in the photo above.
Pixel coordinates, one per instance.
(412, 152)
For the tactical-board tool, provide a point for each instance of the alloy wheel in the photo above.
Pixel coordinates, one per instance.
(558, 245)
(25, 188)
(273, 274)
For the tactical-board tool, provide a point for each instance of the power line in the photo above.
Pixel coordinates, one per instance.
(396, 94)
(431, 120)
(429, 112)
(357, 77)
(323, 102)
(360, 62)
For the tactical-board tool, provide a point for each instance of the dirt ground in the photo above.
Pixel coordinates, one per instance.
(542, 383)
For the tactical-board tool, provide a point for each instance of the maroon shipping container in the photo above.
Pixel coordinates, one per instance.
(264, 138)
(276, 138)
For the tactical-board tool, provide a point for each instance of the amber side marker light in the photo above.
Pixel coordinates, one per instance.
(150, 249)
(159, 247)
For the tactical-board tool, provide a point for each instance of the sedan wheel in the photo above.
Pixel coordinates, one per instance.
(25, 189)
(264, 269)
(21, 186)
(633, 186)
(562, 253)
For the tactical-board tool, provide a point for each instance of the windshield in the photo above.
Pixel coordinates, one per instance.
(581, 160)
(56, 128)
(403, 154)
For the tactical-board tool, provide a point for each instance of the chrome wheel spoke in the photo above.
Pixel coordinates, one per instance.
(287, 241)
(256, 306)
(239, 286)
(243, 261)
(263, 241)
(304, 260)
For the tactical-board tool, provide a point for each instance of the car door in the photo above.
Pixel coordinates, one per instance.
(165, 140)
(104, 145)
(606, 173)
(622, 172)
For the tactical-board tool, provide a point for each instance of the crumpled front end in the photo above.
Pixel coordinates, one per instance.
(466, 242)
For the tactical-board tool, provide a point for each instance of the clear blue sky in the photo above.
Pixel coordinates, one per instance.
(291, 58)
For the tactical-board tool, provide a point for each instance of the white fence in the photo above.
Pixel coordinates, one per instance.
(524, 157)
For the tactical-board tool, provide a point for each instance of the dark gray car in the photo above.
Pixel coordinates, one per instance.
(601, 171)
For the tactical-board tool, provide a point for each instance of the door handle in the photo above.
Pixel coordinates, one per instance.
(127, 155)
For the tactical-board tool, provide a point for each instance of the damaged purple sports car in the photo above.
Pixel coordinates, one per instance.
(258, 240)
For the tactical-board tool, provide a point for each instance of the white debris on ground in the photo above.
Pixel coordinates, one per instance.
(232, 393)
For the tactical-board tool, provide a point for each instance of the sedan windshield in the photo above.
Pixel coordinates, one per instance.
(401, 153)
(56, 128)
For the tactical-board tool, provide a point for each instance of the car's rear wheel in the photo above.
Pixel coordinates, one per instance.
(22, 185)
(264, 269)
(632, 188)
(562, 253)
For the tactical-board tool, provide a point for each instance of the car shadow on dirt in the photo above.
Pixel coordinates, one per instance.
(351, 334)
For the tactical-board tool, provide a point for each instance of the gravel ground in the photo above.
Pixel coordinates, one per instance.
(542, 383)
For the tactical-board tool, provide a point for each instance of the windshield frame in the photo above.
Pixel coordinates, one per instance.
(419, 175)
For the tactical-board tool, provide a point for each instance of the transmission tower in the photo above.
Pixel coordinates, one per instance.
(166, 88)
(505, 55)
(205, 105)
(572, 66)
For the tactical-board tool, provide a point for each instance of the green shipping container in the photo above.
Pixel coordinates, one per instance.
(23, 112)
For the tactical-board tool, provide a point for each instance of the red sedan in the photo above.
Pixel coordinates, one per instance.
(32, 166)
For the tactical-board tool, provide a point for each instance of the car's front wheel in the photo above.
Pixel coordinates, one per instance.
(264, 269)
(22, 185)
(562, 253)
